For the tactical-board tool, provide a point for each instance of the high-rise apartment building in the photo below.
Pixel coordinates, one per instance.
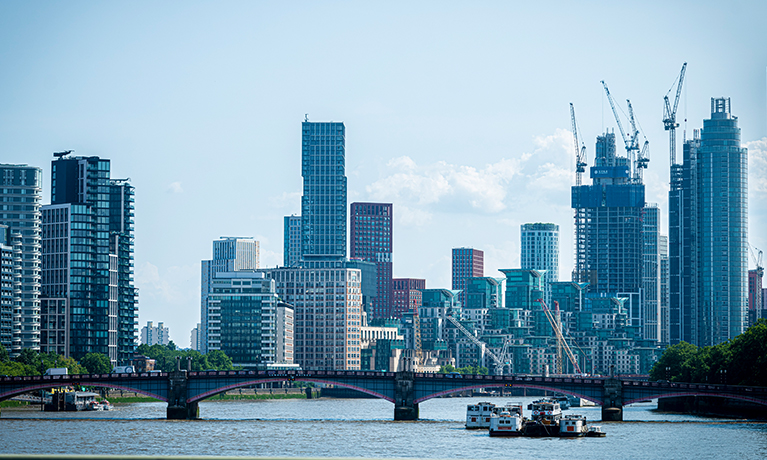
(155, 335)
(20, 195)
(230, 254)
(323, 204)
(651, 285)
(467, 263)
(194, 339)
(292, 241)
(327, 311)
(371, 241)
(88, 303)
(708, 232)
(664, 289)
(609, 229)
(247, 321)
(406, 295)
(755, 306)
(540, 251)
(6, 288)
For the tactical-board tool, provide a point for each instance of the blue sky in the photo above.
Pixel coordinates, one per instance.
(456, 112)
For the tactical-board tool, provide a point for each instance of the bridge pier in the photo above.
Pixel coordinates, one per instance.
(612, 401)
(178, 407)
(404, 395)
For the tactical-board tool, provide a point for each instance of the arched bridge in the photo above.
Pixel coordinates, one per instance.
(182, 389)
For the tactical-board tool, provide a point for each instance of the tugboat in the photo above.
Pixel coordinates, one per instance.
(546, 417)
(595, 431)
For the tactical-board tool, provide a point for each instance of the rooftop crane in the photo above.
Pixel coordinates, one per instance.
(626, 140)
(561, 343)
(580, 153)
(669, 114)
(757, 259)
(643, 156)
(499, 361)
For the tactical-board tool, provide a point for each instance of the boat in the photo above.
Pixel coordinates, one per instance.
(506, 424)
(572, 426)
(478, 415)
(595, 431)
(106, 405)
(546, 415)
(564, 402)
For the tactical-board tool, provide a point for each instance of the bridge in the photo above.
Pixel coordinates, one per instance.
(183, 389)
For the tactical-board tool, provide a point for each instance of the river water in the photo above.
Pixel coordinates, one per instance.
(363, 428)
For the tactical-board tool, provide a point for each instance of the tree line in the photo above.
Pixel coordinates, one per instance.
(740, 361)
(31, 362)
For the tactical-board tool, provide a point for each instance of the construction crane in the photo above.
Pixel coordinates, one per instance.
(757, 259)
(631, 143)
(643, 156)
(669, 114)
(499, 361)
(561, 343)
(580, 153)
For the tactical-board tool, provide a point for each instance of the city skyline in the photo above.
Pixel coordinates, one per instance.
(448, 151)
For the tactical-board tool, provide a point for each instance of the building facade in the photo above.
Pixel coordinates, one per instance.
(406, 295)
(20, 195)
(327, 311)
(665, 319)
(6, 288)
(651, 273)
(467, 263)
(755, 306)
(155, 335)
(540, 251)
(708, 232)
(247, 321)
(88, 303)
(291, 252)
(371, 240)
(230, 254)
(194, 339)
(609, 229)
(324, 202)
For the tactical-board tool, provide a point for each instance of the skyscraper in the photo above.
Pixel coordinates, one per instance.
(467, 263)
(708, 232)
(371, 240)
(88, 299)
(6, 288)
(540, 251)
(406, 295)
(230, 254)
(20, 195)
(651, 316)
(609, 229)
(664, 290)
(323, 204)
(291, 241)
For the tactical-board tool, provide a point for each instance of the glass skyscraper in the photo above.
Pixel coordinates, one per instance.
(540, 251)
(323, 204)
(708, 233)
(88, 299)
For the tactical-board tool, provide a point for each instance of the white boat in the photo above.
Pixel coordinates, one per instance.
(506, 424)
(572, 426)
(546, 415)
(478, 415)
(595, 431)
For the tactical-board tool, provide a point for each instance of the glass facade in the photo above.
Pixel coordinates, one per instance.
(292, 241)
(540, 251)
(708, 226)
(323, 204)
(89, 303)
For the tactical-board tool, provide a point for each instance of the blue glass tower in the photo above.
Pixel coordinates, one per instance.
(708, 231)
(323, 204)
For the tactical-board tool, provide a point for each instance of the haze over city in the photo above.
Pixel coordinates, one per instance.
(457, 114)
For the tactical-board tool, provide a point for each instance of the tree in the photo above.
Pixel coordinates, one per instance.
(4, 356)
(749, 356)
(96, 363)
(670, 366)
(218, 360)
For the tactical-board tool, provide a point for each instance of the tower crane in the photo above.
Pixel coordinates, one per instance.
(580, 153)
(631, 143)
(561, 343)
(499, 361)
(757, 259)
(643, 156)
(669, 114)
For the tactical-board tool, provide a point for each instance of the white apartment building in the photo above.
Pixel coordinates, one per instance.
(540, 251)
(152, 335)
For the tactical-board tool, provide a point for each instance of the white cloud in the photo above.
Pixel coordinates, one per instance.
(174, 187)
(757, 165)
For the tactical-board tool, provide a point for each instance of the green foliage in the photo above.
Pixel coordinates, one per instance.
(4, 356)
(741, 361)
(165, 358)
(96, 363)
(446, 369)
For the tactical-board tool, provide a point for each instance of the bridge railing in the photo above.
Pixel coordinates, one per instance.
(74, 378)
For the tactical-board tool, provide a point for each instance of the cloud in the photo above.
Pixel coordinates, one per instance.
(174, 187)
(757, 165)
(167, 286)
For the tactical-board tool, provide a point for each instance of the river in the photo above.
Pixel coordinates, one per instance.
(364, 428)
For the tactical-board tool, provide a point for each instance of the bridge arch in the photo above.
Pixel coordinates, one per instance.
(212, 392)
(697, 393)
(42, 385)
(500, 385)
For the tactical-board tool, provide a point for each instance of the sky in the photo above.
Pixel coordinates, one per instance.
(455, 112)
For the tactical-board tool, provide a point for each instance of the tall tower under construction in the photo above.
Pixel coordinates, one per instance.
(608, 231)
